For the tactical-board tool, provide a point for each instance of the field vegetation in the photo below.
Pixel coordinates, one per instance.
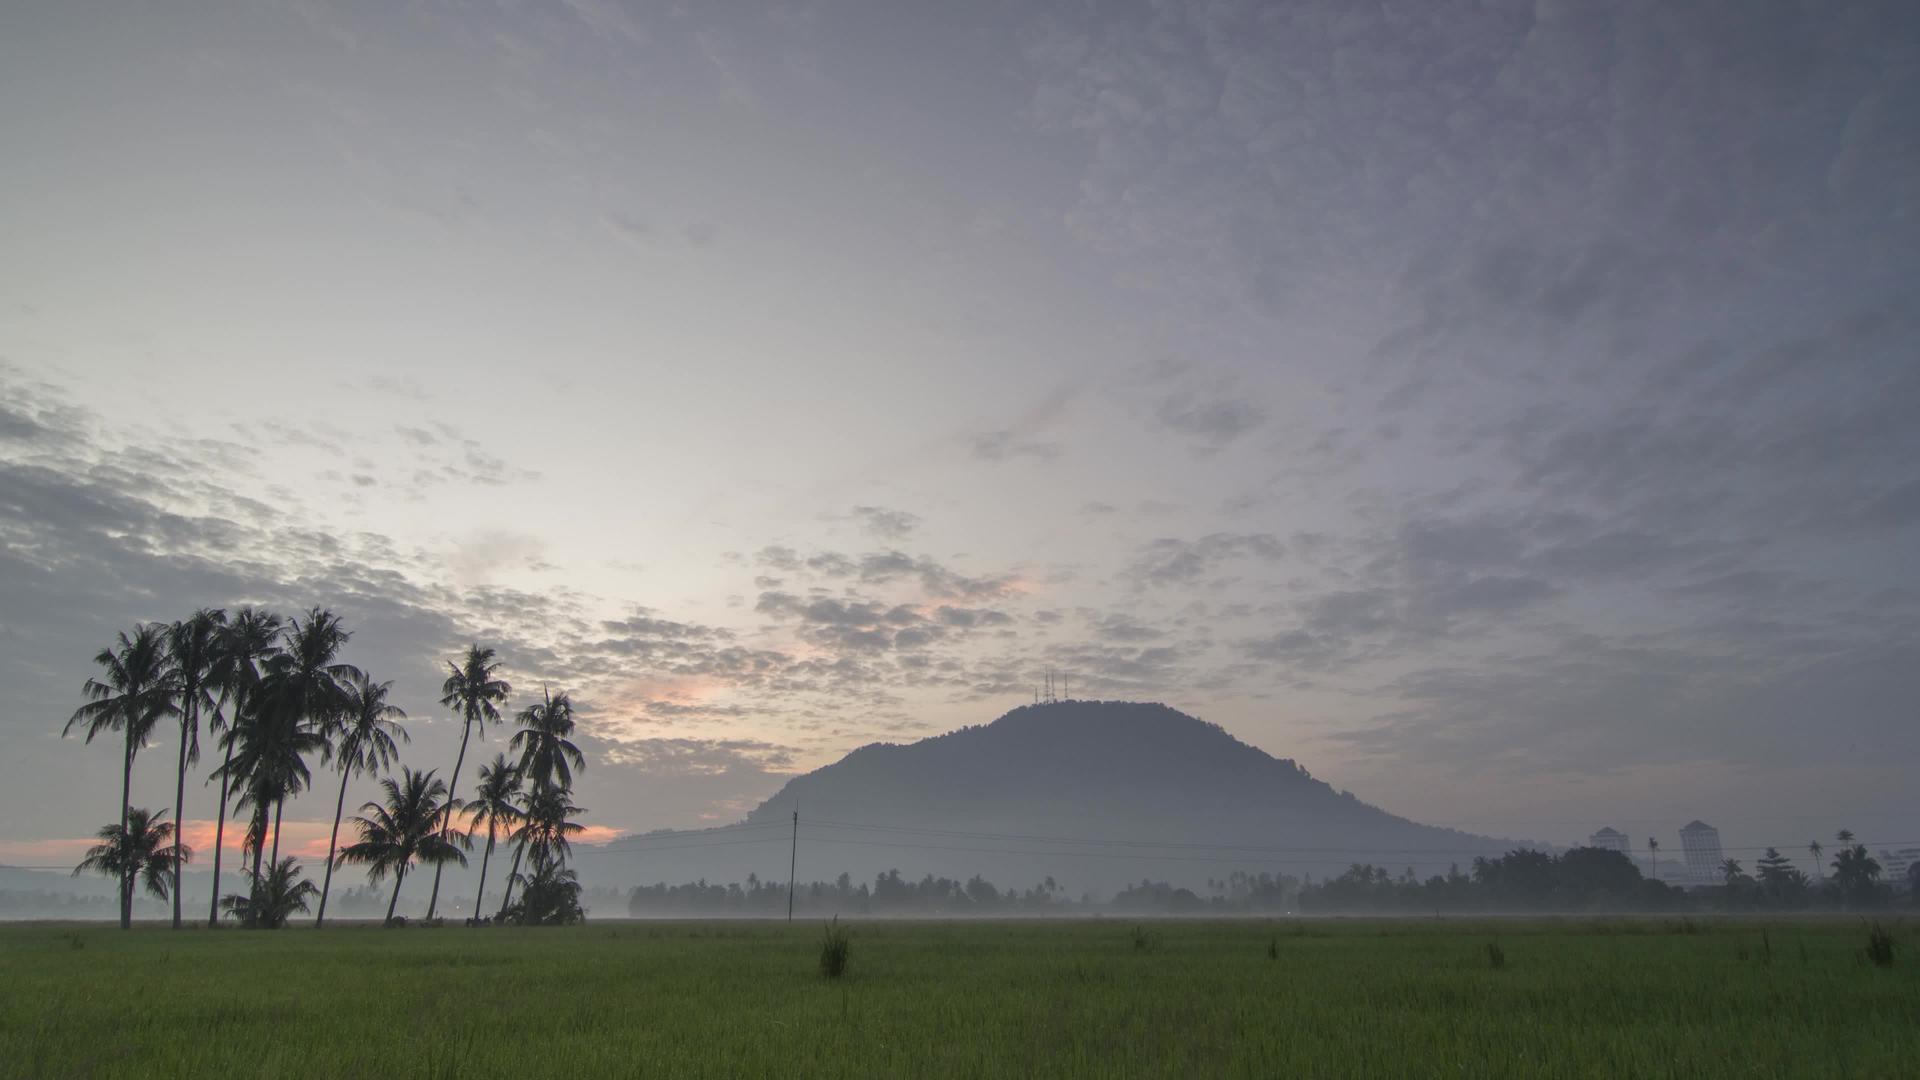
(1086, 997)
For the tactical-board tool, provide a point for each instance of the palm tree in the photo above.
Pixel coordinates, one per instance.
(136, 695)
(302, 694)
(495, 804)
(142, 846)
(550, 896)
(545, 753)
(394, 835)
(1653, 852)
(1730, 869)
(267, 758)
(546, 824)
(1815, 849)
(277, 895)
(193, 648)
(473, 691)
(245, 645)
(1845, 836)
(365, 744)
(543, 837)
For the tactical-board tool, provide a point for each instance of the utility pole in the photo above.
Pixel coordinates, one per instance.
(793, 860)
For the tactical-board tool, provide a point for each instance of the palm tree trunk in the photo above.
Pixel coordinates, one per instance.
(508, 898)
(187, 718)
(398, 877)
(219, 837)
(333, 843)
(278, 805)
(482, 894)
(446, 823)
(259, 840)
(126, 803)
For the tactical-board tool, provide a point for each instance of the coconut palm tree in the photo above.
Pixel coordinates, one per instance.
(1653, 853)
(474, 691)
(364, 736)
(193, 650)
(546, 756)
(544, 838)
(549, 896)
(394, 835)
(278, 895)
(135, 695)
(1731, 870)
(302, 693)
(245, 644)
(144, 847)
(543, 834)
(495, 804)
(1815, 849)
(267, 756)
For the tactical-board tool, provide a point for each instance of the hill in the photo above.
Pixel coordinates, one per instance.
(1095, 794)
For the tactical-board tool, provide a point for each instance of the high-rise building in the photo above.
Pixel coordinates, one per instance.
(1612, 839)
(1700, 844)
(1897, 865)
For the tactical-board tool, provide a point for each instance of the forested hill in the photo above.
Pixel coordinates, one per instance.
(1096, 794)
(1129, 767)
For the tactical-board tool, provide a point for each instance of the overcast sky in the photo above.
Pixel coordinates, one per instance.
(1509, 410)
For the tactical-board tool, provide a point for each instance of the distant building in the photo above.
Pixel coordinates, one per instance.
(1612, 839)
(1700, 844)
(1896, 865)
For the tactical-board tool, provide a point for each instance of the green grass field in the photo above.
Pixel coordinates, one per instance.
(1081, 998)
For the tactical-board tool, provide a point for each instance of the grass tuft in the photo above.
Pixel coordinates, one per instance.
(1496, 956)
(1145, 940)
(1879, 950)
(833, 950)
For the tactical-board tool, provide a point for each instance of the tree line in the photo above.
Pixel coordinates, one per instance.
(1585, 879)
(278, 700)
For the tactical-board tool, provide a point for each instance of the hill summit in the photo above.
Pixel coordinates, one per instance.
(1135, 767)
(1094, 794)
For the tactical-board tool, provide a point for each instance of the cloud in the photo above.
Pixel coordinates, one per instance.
(1172, 561)
(1027, 436)
(1004, 445)
(885, 523)
(1212, 423)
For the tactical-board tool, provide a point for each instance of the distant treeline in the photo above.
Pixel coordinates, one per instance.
(1580, 880)
(49, 904)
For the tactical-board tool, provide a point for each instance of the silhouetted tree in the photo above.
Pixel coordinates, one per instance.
(364, 743)
(546, 756)
(474, 691)
(405, 829)
(193, 650)
(549, 896)
(277, 896)
(495, 804)
(134, 696)
(1856, 875)
(145, 847)
(245, 643)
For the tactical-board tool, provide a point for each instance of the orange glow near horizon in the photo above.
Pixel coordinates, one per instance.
(302, 838)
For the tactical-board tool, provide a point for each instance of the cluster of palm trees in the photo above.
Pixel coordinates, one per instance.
(1855, 880)
(277, 697)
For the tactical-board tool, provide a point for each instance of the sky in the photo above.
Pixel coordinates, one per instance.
(1511, 411)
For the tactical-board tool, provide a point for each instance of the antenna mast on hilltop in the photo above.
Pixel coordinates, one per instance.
(1056, 689)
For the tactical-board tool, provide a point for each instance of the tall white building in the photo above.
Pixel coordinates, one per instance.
(1894, 865)
(1612, 839)
(1700, 846)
